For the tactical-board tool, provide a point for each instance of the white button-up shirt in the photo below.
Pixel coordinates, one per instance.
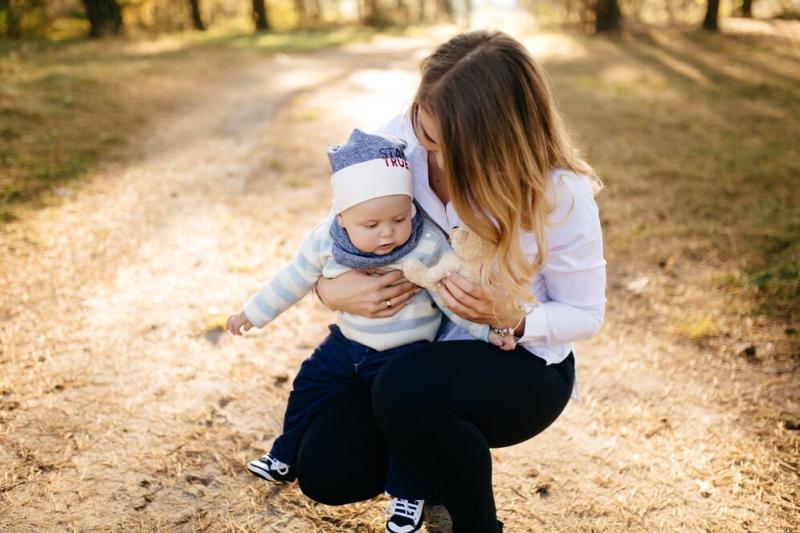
(570, 287)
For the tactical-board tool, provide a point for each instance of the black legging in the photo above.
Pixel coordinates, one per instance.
(441, 408)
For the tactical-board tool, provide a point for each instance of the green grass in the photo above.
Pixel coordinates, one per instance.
(66, 105)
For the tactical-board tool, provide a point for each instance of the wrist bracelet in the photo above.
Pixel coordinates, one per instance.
(503, 332)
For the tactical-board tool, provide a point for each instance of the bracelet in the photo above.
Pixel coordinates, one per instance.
(503, 332)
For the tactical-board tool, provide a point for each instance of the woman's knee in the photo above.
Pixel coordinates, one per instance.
(339, 479)
(318, 486)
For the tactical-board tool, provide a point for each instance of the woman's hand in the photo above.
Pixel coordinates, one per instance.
(506, 343)
(373, 295)
(467, 300)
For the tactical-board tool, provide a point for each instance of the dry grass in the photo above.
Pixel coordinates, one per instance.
(124, 408)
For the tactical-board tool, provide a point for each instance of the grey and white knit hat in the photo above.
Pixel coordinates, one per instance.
(368, 166)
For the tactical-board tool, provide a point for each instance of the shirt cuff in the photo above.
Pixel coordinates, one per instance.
(255, 315)
(535, 326)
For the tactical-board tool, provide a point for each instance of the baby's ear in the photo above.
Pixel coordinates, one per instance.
(340, 219)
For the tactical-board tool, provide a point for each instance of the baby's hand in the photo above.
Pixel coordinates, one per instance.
(235, 323)
(507, 343)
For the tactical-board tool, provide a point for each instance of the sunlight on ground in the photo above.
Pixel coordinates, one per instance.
(789, 29)
(386, 93)
(158, 46)
(504, 16)
(553, 46)
(522, 24)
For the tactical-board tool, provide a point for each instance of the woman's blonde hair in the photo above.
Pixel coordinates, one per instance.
(500, 137)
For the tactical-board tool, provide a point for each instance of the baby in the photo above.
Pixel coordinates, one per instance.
(376, 225)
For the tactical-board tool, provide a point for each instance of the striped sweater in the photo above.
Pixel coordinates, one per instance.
(418, 320)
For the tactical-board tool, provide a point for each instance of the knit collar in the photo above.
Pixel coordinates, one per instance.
(345, 253)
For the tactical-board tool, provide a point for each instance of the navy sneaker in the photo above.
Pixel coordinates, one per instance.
(405, 516)
(271, 469)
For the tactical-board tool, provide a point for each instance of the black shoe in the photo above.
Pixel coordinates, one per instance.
(271, 469)
(405, 516)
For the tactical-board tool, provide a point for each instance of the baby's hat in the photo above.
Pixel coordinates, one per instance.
(368, 166)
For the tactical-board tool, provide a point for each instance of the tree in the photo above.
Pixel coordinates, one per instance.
(300, 9)
(607, 16)
(445, 10)
(260, 15)
(197, 20)
(373, 14)
(105, 17)
(9, 16)
(712, 11)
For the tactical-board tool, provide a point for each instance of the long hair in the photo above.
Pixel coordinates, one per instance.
(500, 137)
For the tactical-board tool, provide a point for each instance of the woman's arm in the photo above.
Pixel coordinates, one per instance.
(374, 295)
(574, 278)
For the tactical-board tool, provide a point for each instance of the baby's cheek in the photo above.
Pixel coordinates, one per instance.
(406, 230)
(362, 241)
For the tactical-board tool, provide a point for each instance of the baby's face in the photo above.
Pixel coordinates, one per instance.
(380, 225)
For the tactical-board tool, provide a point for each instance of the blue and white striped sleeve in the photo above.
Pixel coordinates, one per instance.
(290, 284)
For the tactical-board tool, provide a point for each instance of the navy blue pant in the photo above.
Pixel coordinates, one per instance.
(336, 365)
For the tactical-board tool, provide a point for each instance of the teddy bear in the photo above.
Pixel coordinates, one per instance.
(468, 251)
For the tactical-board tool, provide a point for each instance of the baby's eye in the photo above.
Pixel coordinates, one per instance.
(371, 225)
(401, 219)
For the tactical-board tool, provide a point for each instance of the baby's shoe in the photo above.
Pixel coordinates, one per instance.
(405, 516)
(269, 468)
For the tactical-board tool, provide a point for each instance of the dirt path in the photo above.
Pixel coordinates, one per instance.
(123, 407)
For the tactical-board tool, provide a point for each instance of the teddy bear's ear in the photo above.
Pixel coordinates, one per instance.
(457, 236)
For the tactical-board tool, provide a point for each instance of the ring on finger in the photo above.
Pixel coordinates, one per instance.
(388, 303)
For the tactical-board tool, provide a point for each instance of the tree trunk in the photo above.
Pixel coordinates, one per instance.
(670, 11)
(445, 10)
(747, 8)
(105, 17)
(300, 9)
(710, 22)
(316, 12)
(372, 13)
(260, 15)
(13, 27)
(607, 16)
(197, 19)
(585, 12)
(402, 10)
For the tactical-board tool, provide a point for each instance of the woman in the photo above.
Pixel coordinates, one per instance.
(487, 148)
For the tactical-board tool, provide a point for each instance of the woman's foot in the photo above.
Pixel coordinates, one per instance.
(269, 468)
(405, 516)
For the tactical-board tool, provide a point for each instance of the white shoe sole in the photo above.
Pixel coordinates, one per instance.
(260, 472)
(409, 531)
